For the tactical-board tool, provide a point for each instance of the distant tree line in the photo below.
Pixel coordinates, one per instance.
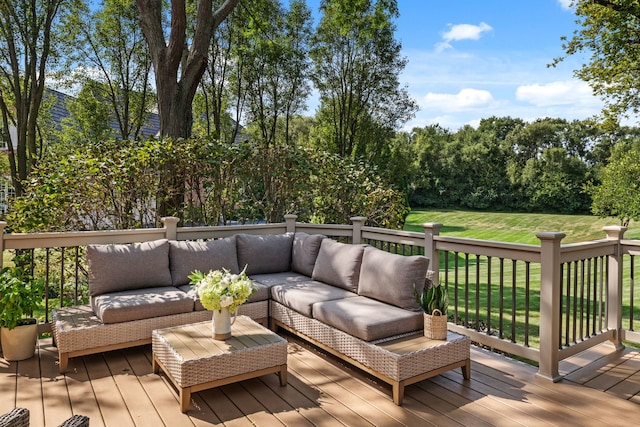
(549, 165)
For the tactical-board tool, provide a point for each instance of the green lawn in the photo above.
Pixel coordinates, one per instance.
(514, 227)
(473, 298)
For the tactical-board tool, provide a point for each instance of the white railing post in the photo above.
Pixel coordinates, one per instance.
(290, 220)
(550, 304)
(432, 229)
(358, 223)
(171, 227)
(3, 224)
(614, 284)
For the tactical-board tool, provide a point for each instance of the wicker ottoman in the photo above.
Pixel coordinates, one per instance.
(194, 361)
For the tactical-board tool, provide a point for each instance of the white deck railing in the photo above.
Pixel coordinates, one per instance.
(544, 303)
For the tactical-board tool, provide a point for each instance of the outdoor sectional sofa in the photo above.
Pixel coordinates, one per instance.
(348, 299)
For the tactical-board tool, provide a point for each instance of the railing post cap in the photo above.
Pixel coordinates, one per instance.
(432, 225)
(614, 231)
(358, 218)
(551, 235)
(169, 220)
(291, 216)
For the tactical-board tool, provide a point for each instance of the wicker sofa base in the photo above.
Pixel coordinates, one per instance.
(399, 361)
(77, 331)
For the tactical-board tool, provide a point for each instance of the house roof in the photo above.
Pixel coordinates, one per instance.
(59, 111)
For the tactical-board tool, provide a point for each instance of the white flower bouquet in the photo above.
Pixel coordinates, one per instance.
(220, 288)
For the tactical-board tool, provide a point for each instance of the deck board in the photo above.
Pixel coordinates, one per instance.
(118, 388)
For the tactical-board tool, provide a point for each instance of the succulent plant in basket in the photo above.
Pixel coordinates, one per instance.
(434, 300)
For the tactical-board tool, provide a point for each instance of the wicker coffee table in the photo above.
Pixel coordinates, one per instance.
(194, 361)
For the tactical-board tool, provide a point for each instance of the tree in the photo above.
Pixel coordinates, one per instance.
(273, 68)
(617, 194)
(180, 57)
(212, 102)
(89, 120)
(356, 63)
(610, 33)
(30, 35)
(112, 45)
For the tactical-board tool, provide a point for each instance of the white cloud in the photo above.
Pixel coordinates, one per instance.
(465, 32)
(557, 93)
(465, 100)
(566, 4)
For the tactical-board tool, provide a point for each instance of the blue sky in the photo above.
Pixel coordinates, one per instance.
(473, 59)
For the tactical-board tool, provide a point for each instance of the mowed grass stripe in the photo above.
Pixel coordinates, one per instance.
(514, 227)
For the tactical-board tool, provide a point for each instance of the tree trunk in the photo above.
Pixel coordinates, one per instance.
(178, 69)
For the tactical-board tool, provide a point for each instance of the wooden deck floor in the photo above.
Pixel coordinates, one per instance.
(119, 389)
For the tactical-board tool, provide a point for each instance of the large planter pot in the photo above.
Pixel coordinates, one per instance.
(19, 343)
(435, 325)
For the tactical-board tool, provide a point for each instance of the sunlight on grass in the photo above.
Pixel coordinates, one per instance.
(514, 227)
(477, 299)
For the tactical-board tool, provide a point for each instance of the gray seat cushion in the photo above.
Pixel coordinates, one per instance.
(305, 251)
(270, 253)
(187, 256)
(391, 278)
(367, 318)
(338, 264)
(114, 268)
(302, 295)
(139, 304)
(283, 278)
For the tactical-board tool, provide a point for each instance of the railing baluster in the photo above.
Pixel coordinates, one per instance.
(568, 306)
(77, 279)
(581, 313)
(62, 259)
(601, 298)
(561, 307)
(527, 303)
(456, 278)
(514, 301)
(466, 290)
(46, 287)
(489, 261)
(574, 315)
(477, 292)
(588, 285)
(631, 292)
(501, 318)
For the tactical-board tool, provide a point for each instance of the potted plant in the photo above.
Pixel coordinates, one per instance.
(20, 296)
(434, 301)
(222, 292)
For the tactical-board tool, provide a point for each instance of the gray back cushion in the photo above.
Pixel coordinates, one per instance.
(338, 264)
(390, 278)
(305, 251)
(115, 268)
(185, 257)
(269, 253)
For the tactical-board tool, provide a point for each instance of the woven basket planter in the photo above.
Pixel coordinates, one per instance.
(435, 325)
